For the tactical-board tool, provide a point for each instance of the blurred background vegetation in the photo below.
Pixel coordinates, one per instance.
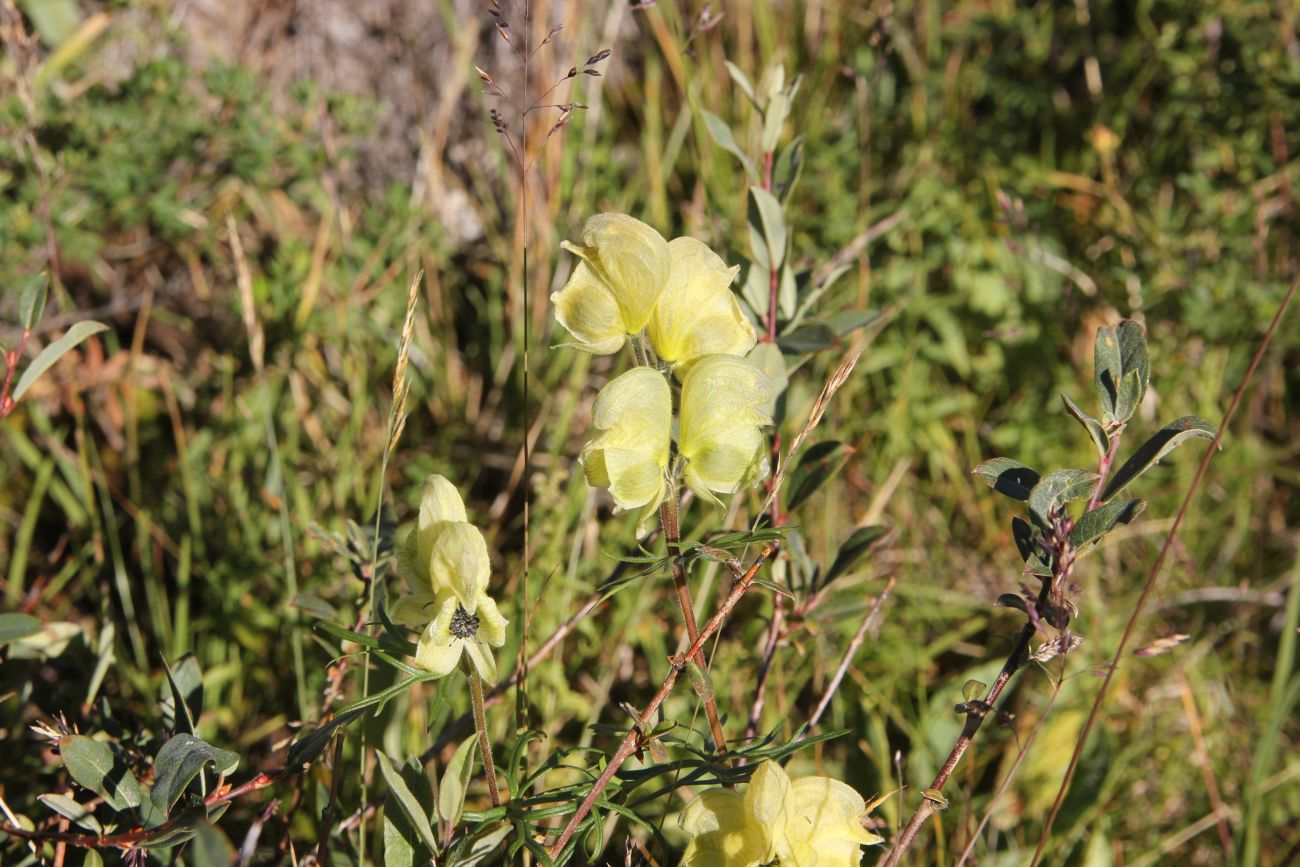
(1002, 177)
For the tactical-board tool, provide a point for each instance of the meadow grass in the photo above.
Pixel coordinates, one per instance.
(204, 478)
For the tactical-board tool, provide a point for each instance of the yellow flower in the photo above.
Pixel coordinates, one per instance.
(810, 822)
(721, 441)
(445, 562)
(633, 415)
(614, 288)
(698, 314)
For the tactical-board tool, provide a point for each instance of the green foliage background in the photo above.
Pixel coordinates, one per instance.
(1043, 168)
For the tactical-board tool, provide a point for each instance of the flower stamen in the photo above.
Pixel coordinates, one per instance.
(463, 624)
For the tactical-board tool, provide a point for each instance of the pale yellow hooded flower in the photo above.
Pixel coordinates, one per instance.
(698, 314)
(633, 414)
(445, 562)
(614, 288)
(721, 440)
(810, 822)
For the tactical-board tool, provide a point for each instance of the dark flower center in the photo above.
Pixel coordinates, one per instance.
(464, 624)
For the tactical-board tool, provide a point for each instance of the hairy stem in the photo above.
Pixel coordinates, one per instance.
(484, 744)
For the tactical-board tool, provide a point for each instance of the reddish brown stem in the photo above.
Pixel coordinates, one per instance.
(669, 515)
(630, 741)
(1156, 567)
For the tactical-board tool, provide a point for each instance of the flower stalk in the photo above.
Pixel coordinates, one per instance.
(484, 743)
(670, 517)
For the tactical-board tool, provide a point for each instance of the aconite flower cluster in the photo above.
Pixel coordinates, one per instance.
(807, 822)
(445, 563)
(673, 299)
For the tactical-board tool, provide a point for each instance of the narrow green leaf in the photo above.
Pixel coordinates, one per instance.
(70, 809)
(14, 626)
(1150, 453)
(184, 692)
(742, 81)
(52, 353)
(308, 747)
(1092, 525)
(455, 781)
(768, 221)
(818, 464)
(807, 339)
(853, 550)
(1056, 489)
(774, 115)
(93, 765)
(1095, 430)
(31, 301)
(1008, 477)
(722, 137)
(788, 168)
(411, 808)
(179, 761)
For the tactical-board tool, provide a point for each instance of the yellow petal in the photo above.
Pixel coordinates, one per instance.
(832, 809)
(440, 501)
(438, 650)
(415, 610)
(767, 797)
(698, 314)
(458, 562)
(482, 658)
(491, 625)
(587, 308)
(722, 834)
(614, 289)
(720, 438)
(633, 415)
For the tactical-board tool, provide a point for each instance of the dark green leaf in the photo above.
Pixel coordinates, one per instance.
(1011, 600)
(413, 811)
(816, 466)
(1027, 542)
(853, 550)
(1130, 395)
(1092, 525)
(179, 761)
(846, 322)
(309, 746)
(31, 301)
(1168, 438)
(1008, 477)
(184, 691)
(93, 765)
(807, 338)
(1120, 352)
(14, 626)
(788, 168)
(1056, 489)
(1094, 428)
(52, 353)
